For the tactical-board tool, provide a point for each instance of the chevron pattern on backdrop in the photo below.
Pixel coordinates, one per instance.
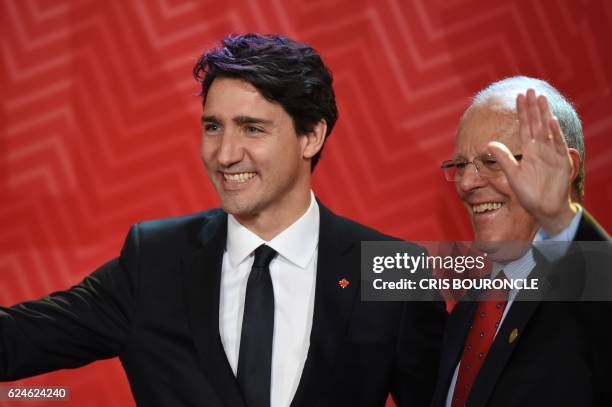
(99, 126)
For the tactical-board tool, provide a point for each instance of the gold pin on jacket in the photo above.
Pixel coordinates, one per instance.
(513, 335)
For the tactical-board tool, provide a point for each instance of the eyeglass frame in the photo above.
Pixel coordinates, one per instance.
(477, 169)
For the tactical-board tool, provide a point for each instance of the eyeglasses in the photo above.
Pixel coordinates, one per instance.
(484, 165)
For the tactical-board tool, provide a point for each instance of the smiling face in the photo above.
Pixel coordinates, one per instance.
(253, 156)
(494, 210)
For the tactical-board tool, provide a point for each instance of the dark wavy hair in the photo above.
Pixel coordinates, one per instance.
(284, 71)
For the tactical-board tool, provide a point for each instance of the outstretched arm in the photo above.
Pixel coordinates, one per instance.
(71, 328)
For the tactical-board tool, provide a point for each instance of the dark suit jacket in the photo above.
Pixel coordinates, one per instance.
(562, 354)
(156, 307)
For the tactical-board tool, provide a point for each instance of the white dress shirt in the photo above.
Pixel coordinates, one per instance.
(293, 273)
(521, 268)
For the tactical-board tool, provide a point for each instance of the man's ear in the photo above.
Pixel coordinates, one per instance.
(313, 141)
(575, 157)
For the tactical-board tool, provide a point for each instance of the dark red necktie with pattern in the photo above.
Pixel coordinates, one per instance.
(486, 320)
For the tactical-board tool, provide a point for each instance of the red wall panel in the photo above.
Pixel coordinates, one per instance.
(99, 126)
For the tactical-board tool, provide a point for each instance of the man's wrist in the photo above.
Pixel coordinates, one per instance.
(555, 224)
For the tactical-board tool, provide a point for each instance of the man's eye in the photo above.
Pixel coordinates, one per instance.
(211, 127)
(460, 166)
(489, 163)
(253, 130)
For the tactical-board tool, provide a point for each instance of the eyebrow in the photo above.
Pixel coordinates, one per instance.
(460, 157)
(250, 120)
(211, 119)
(239, 120)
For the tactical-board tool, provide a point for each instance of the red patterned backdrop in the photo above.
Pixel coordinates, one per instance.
(99, 125)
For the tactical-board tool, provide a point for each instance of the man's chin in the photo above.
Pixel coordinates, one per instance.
(501, 250)
(236, 207)
(486, 245)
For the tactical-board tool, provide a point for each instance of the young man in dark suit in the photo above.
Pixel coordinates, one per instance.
(518, 166)
(255, 304)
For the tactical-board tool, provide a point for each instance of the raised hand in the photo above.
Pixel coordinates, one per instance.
(542, 179)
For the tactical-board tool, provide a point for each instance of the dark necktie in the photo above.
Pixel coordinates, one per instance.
(255, 357)
(486, 320)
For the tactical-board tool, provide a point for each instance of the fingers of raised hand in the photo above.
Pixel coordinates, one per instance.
(546, 115)
(536, 121)
(504, 157)
(521, 110)
(557, 134)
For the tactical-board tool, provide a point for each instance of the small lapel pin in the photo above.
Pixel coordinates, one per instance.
(513, 335)
(343, 283)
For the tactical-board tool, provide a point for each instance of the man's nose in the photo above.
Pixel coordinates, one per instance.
(230, 150)
(471, 179)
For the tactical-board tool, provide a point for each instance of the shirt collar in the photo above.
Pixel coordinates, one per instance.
(516, 269)
(297, 243)
(566, 235)
(521, 267)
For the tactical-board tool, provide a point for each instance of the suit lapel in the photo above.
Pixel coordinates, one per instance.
(332, 307)
(522, 309)
(457, 328)
(203, 282)
(501, 349)
(590, 230)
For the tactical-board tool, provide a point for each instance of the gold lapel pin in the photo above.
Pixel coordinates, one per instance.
(343, 283)
(513, 335)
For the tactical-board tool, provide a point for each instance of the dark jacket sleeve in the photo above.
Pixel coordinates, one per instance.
(418, 348)
(418, 353)
(71, 328)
